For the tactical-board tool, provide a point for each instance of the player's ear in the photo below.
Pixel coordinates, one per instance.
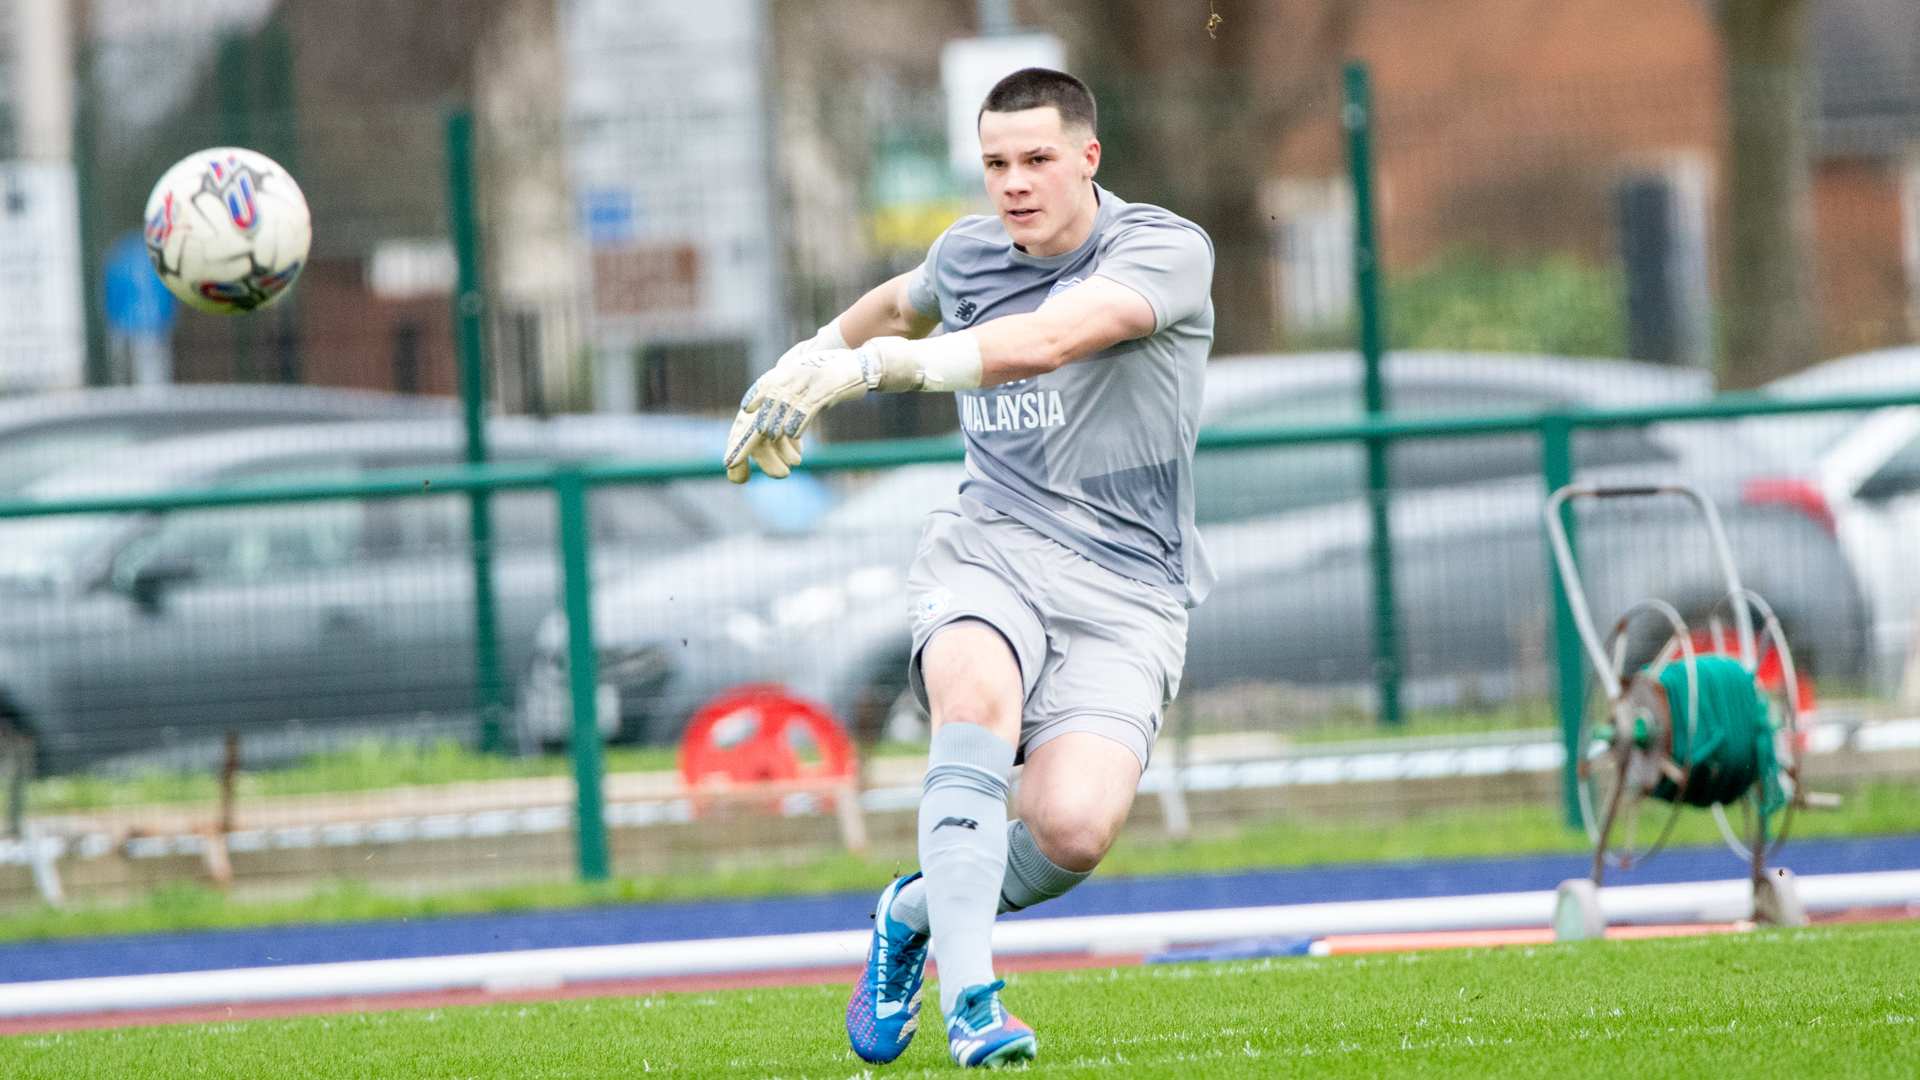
(1090, 159)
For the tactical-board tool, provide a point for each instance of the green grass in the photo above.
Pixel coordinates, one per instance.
(1828, 1002)
(1878, 809)
(1872, 810)
(367, 767)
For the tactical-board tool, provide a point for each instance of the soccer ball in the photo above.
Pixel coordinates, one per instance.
(228, 230)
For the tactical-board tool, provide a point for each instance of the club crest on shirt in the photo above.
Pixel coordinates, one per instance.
(1062, 286)
(933, 604)
(964, 310)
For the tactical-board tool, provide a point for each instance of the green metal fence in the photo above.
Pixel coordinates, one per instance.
(570, 485)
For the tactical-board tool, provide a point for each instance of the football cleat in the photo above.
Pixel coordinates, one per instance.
(981, 1032)
(885, 1009)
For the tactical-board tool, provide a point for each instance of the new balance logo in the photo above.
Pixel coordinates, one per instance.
(964, 310)
(965, 823)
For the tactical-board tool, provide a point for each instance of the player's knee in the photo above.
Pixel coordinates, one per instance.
(1075, 842)
(982, 713)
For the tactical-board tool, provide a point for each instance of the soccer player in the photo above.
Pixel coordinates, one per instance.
(1049, 596)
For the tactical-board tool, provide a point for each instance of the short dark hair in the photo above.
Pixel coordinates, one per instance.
(1037, 88)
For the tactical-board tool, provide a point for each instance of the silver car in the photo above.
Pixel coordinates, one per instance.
(128, 634)
(826, 614)
(45, 433)
(1858, 474)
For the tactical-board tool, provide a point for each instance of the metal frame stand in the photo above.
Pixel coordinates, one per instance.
(1638, 710)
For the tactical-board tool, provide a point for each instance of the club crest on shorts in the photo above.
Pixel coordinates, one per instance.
(933, 604)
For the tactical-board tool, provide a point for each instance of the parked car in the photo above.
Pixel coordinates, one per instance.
(1858, 473)
(1288, 530)
(45, 433)
(121, 633)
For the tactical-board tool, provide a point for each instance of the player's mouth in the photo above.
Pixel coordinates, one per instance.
(1024, 215)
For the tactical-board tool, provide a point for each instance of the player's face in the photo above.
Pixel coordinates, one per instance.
(1037, 176)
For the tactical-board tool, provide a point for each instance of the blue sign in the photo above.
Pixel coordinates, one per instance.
(138, 303)
(607, 214)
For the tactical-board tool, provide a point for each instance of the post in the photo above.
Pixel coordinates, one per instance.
(93, 222)
(229, 775)
(1556, 466)
(469, 311)
(1358, 119)
(19, 773)
(583, 676)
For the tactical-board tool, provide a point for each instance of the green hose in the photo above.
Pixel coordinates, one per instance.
(1735, 736)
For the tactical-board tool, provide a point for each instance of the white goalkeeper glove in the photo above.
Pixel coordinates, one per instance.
(781, 448)
(783, 403)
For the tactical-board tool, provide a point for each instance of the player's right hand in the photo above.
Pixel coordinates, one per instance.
(783, 403)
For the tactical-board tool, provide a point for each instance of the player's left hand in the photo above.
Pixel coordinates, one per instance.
(781, 404)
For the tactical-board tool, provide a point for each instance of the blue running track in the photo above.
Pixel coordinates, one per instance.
(210, 950)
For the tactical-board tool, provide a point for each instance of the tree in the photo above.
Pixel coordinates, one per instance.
(1191, 120)
(1767, 253)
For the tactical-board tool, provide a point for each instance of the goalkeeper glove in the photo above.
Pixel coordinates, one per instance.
(783, 403)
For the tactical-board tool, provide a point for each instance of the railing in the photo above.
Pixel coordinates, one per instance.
(571, 484)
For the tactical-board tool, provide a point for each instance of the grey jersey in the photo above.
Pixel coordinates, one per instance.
(1097, 455)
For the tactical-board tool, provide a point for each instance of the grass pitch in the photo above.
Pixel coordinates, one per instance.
(1823, 1002)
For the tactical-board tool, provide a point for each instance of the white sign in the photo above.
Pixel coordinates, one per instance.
(43, 343)
(404, 269)
(668, 152)
(968, 69)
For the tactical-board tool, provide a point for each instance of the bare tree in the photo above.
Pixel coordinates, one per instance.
(1767, 253)
(1191, 120)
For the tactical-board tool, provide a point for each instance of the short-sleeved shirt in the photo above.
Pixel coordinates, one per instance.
(1098, 454)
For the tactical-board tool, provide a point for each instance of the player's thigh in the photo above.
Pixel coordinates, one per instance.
(975, 631)
(1074, 795)
(972, 677)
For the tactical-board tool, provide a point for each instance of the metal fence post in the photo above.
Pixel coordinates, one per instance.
(1358, 118)
(583, 675)
(1556, 466)
(469, 311)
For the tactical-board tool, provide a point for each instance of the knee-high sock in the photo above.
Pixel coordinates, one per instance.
(1030, 878)
(963, 851)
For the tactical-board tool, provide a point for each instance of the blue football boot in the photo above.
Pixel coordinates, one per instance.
(885, 1010)
(981, 1032)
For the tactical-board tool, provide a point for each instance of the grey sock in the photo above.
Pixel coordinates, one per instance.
(963, 851)
(1031, 877)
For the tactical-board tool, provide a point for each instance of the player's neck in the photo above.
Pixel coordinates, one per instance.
(1077, 230)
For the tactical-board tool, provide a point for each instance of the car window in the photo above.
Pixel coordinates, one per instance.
(244, 545)
(895, 499)
(31, 453)
(1235, 484)
(639, 516)
(38, 453)
(1899, 476)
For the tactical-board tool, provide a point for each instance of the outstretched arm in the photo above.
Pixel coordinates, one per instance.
(1096, 314)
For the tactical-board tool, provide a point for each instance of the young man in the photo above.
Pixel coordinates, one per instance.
(1049, 597)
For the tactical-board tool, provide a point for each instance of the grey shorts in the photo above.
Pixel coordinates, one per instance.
(1098, 652)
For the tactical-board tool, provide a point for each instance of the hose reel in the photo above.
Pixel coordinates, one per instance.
(1692, 727)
